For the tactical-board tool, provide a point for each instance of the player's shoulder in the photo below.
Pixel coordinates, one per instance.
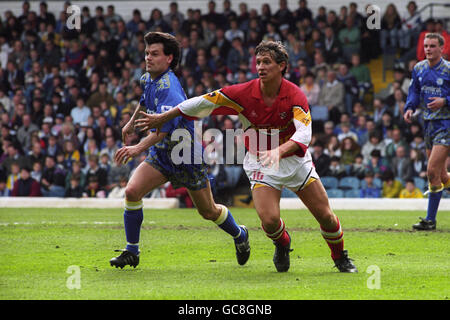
(239, 88)
(144, 79)
(421, 65)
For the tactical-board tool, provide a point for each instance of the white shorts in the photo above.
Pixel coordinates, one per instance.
(292, 172)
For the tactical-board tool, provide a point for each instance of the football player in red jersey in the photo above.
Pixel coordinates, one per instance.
(274, 106)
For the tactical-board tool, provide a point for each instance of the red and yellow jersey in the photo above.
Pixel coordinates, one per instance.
(287, 119)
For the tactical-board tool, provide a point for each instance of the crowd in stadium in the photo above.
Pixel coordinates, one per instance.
(65, 93)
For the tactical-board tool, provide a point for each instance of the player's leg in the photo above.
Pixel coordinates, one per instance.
(144, 179)
(436, 172)
(267, 205)
(315, 198)
(222, 217)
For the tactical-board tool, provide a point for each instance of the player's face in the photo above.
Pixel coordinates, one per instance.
(267, 68)
(433, 51)
(156, 62)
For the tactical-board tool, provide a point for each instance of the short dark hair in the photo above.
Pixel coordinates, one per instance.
(276, 50)
(170, 44)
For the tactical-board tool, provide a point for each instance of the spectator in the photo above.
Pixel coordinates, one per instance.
(331, 46)
(362, 75)
(370, 190)
(74, 190)
(410, 191)
(375, 142)
(53, 179)
(26, 186)
(81, 112)
(13, 176)
(401, 164)
(311, 89)
(77, 173)
(332, 95)
(390, 24)
(391, 186)
(101, 175)
(119, 190)
(4, 191)
(357, 168)
(349, 37)
(24, 132)
(377, 164)
(93, 188)
(336, 169)
(418, 163)
(320, 159)
(397, 141)
(349, 150)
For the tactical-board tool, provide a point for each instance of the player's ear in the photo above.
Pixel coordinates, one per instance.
(283, 66)
(170, 59)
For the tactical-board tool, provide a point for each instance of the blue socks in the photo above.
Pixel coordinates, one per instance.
(133, 217)
(227, 223)
(433, 204)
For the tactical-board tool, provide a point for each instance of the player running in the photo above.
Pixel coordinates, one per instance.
(430, 88)
(162, 90)
(269, 105)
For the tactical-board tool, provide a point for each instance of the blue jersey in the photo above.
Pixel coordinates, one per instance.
(160, 95)
(430, 82)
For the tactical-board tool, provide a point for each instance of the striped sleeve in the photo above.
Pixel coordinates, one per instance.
(215, 102)
(302, 122)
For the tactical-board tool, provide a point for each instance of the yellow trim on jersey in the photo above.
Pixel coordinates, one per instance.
(259, 185)
(219, 99)
(301, 115)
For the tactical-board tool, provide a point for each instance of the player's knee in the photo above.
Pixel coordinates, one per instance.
(131, 193)
(433, 176)
(270, 222)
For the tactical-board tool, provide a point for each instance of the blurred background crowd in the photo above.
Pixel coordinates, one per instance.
(66, 93)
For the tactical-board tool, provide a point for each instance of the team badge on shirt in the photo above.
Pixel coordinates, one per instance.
(283, 115)
(439, 81)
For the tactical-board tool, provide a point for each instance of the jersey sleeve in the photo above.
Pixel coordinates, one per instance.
(413, 99)
(302, 122)
(216, 102)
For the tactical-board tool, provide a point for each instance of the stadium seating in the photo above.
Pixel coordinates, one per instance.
(329, 182)
(352, 193)
(319, 113)
(346, 183)
(335, 193)
(376, 182)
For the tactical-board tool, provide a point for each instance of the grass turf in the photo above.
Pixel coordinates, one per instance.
(186, 257)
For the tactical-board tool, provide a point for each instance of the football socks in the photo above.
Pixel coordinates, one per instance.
(133, 217)
(227, 223)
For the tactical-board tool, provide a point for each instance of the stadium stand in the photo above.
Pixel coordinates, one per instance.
(66, 93)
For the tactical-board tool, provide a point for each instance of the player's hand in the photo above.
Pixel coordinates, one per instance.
(124, 154)
(270, 158)
(436, 104)
(407, 116)
(149, 121)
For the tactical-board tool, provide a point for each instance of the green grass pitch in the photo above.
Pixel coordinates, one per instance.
(186, 257)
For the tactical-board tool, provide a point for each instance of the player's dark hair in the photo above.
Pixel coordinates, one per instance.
(436, 36)
(170, 44)
(276, 50)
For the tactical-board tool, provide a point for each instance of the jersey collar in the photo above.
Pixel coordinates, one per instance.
(256, 90)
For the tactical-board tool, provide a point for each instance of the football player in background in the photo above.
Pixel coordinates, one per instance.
(274, 106)
(430, 89)
(162, 89)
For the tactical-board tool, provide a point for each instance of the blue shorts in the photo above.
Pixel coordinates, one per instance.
(437, 132)
(191, 176)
